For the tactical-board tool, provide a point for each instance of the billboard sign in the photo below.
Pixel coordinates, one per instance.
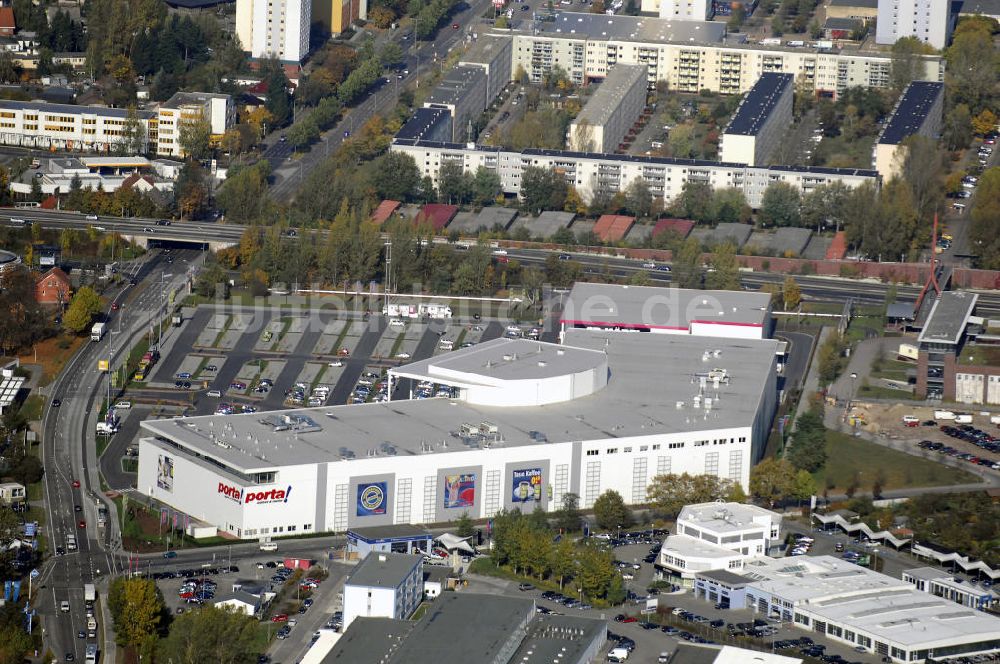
(459, 490)
(165, 473)
(371, 499)
(526, 486)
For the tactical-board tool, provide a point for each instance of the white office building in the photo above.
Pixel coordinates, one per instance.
(274, 28)
(185, 108)
(685, 10)
(529, 422)
(718, 536)
(384, 585)
(930, 21)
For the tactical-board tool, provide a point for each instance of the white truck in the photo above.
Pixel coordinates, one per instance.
(89, 593)
(435, 310)
(97, 332)
(430, 310)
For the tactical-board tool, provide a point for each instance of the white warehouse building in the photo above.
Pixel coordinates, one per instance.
(531, 422)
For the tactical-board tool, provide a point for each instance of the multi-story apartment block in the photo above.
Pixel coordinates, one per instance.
(69, 127)
(188, 107)
(691, 56)
(337, 15)
(918, 112)
(930, 21)
(760, 122)
(611, 111)
(587, 172)
(278, 28)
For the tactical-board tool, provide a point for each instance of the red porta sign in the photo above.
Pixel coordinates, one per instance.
(258, 496)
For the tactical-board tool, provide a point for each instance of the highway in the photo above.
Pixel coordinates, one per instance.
(69, 455)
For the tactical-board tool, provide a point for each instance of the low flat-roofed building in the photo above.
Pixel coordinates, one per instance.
(12, 493)
(720, 586)
(859, 607)
(668, 310)
(760, 122)
(917, 113)
(683, 557)
(941, 583)
(939, 351)
(706, 653)
(368, 641)
(608, 115)
(384, 585)
(397, 538)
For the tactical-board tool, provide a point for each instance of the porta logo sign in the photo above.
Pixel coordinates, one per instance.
(238, 495)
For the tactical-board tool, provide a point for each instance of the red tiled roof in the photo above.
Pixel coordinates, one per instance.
(384, 210)
(680, 226)
(7, 18)
(613, 227)
(838, 248)
(438, 214)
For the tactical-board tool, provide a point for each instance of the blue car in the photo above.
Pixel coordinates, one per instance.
(169, 554)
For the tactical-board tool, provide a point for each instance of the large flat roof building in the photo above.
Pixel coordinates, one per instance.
(761, 121)
(917, 113)
(611, 111)
(528, 422)
(860, 607)
(492, 54)
(462, 92)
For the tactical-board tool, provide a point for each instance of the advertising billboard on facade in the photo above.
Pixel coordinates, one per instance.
(459, 490)
(371, 499)
(165, 473)
(526, 485)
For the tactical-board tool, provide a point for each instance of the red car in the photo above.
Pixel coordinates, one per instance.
(186, 595)
(114, 306)
(281, 617)
(82, 524)
(455, 26)
(622, 618)
(76, 484)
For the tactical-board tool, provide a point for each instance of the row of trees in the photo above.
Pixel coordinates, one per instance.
(985, 220)
(143, 625)
(528, 546)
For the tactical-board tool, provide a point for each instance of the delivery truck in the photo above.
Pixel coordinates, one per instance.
(97, 332)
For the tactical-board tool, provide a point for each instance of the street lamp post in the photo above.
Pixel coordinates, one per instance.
(854, 378)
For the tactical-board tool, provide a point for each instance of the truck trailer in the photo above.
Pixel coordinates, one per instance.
(97, 331)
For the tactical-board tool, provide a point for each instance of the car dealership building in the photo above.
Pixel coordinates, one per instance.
(532, 421)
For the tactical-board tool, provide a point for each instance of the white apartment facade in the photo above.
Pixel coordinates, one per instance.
(692, 67)
(587, 172)
(686, 10)
(384, 585)
(278, 28)
(760, 123)
(188, 107)
(930, 21)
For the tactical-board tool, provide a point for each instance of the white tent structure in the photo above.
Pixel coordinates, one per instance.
(452, 543)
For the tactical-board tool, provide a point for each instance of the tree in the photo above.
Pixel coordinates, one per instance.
(381, 17)
(134, 138)
(261, 120)
(595, 571)
(972, 73)
(391, 55)
(985, 122)
(212, 635)
(779, 206)
(542, 189)
(15, 644)
(610, 511)
(243, 195)
(22, 320)
(464, 527)
(195, 137)
(485, 186)
(639, 198)
(957, 131)
(804, 485)
(907, 63)
(9, 70)
(454, 185)
(791, 296)
(669, 493)
(279, 102)
(304, 133)
(567, 517)
(136, 607)
(725, 269)
(687, 265)
(772, 480)
(395, 176)
(562, 561)
(985, 218)
(681, 141)
(808, 449)
(922, 171)
(82, 309)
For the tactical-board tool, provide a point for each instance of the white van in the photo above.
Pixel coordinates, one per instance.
(64, 606)
(268, 546)
(618, 655)
(123, 405)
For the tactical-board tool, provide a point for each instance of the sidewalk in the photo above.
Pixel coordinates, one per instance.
(862, 357)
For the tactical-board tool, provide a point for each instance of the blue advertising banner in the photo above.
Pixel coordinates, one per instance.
(459, 490)
(526, 486)
(371, 499)
(17, 590)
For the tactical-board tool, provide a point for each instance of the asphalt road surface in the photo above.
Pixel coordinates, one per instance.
(69, 454)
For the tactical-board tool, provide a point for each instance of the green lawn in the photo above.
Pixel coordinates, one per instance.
(892, 369)
(856, 461)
